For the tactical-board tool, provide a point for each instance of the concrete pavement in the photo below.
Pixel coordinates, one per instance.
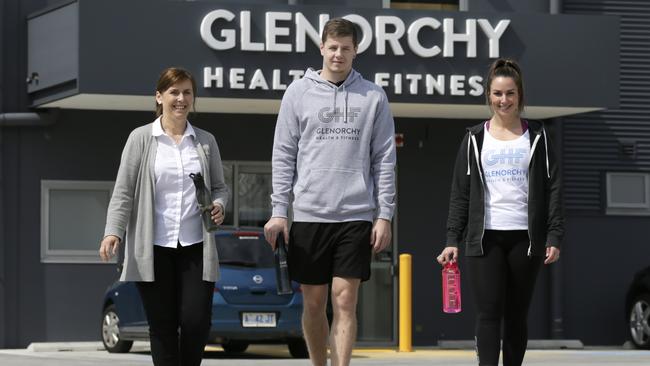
(277, 355)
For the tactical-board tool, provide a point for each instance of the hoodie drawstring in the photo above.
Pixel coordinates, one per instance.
(334, 106)
(478, 160)
(548, 173)
(469, 141)
(345, 107)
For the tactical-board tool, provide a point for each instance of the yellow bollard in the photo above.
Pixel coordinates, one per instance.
(405, 326)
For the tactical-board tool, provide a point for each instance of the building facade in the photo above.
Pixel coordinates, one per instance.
(78, 76)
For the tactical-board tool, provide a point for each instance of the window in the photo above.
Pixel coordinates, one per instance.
(249, 204)
(628, 193)
(73, 216)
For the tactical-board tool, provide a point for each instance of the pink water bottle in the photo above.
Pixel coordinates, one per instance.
(451, 288)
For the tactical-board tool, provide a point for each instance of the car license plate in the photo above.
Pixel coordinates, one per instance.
(258, 320)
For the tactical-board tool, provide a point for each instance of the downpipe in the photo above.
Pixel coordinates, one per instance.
(28, 119)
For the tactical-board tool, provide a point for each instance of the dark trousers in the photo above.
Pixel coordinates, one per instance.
(502, 283)
(178, 299)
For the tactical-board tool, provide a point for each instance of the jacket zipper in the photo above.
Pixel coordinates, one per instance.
(530, 161)
(480, 174)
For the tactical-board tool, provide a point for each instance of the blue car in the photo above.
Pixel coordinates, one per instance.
(245, 308)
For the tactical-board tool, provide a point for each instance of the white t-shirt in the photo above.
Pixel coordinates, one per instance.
(505, 170)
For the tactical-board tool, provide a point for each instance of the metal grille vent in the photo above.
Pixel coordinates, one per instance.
(627, 149)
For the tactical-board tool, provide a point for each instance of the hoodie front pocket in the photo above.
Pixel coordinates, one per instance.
(331, 189)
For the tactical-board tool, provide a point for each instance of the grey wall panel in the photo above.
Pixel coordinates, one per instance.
(13, 98)
(74, 293)
(2, 63)
(591, 147)
(53, 48)
(3, 245)
(240, 137)
(592, 141)
(71, 149)
(10, 237)
(425, 166)
(594, 283)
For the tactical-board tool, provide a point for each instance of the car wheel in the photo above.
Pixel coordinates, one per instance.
(639, 321)
(111, 332)
(234, 346)
(298, 348)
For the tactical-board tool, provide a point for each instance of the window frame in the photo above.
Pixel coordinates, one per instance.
(49, 255)
(623, 208)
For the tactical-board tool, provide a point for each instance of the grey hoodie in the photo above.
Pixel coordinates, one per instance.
(334, 151)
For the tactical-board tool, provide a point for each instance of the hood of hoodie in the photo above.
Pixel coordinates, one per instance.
(314, 75)
(534, 126)
(339, 94)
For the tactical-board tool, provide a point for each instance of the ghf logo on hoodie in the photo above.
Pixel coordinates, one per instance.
(336, 114)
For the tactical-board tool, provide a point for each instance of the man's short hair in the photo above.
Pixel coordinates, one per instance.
(339, 27)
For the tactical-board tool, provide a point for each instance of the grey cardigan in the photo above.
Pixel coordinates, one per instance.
(131, 210)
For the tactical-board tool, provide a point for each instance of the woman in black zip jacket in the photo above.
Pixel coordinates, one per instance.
(505, 207)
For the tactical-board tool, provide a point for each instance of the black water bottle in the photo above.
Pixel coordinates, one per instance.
(205, 202)
(282, 279)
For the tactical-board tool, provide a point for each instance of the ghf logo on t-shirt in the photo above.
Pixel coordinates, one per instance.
(506, 164)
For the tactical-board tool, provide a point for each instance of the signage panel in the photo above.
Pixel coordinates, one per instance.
(251, 52)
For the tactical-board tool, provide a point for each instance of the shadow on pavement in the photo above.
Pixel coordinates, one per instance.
(250, 355)
(255, 352)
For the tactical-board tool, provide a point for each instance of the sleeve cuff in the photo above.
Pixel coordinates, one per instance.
(552, 241)
(385, 213)
(113, 233)
(279, 211)
(452, 241)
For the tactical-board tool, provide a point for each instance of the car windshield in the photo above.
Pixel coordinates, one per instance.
(245, 251)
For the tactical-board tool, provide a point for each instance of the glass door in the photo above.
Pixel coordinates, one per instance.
(250, 191)
(378, 297)
(376, 309)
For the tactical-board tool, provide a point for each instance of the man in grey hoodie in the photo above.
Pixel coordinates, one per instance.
(334, 158)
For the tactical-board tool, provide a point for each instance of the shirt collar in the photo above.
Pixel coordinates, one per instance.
(158, 131)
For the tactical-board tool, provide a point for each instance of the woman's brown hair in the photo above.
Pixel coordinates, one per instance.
(171, 76)
(508, 68)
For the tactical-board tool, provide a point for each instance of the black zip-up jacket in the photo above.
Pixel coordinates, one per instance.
(467, 201)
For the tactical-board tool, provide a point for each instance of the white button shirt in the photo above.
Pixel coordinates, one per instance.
(177, 216)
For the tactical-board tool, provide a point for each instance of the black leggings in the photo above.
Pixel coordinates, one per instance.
(502, 283)
(178, 298)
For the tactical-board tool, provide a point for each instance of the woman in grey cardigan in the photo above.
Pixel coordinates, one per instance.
(154, 210)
